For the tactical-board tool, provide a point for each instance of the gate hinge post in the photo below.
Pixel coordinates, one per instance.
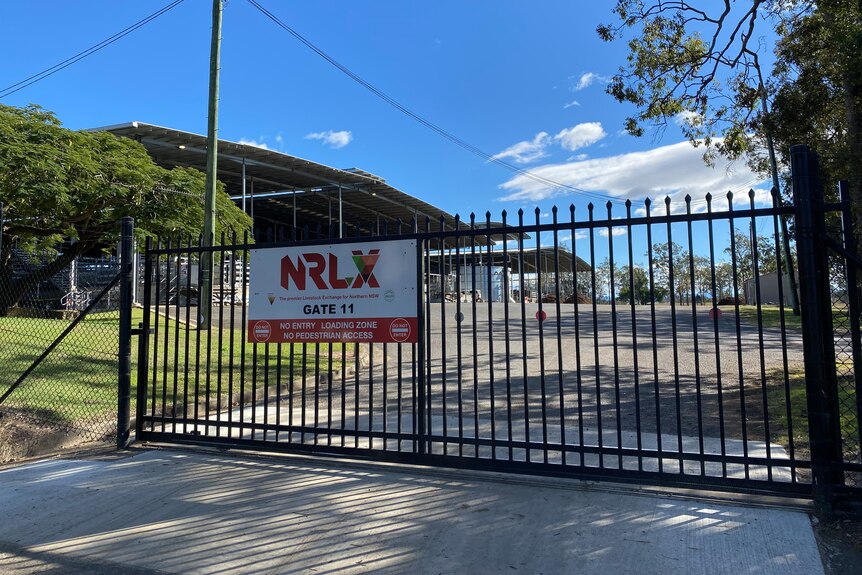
(816, 316)
(124, 368)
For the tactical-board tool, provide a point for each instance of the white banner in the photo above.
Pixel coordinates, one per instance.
(356, 292)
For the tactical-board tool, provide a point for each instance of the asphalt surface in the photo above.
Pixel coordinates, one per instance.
(679, 381)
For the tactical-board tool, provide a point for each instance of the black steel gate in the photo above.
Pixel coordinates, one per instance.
(650, 345)
(830, 274)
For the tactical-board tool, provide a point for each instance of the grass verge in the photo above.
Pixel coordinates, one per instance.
(76, 384)
(795, 395)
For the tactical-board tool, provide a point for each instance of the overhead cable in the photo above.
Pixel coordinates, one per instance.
(428, 124)
(9, 90)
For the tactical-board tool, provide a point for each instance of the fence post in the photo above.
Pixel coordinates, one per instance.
(816, 316)
(125, 348)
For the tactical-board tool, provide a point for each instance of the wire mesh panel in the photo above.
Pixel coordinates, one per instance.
(74, 387)
(845, 274)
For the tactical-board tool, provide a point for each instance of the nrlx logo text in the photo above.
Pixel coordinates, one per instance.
(322, 270)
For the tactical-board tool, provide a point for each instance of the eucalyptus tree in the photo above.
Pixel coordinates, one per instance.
(704, 66)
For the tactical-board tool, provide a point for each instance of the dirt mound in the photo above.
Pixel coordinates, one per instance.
(21, 438)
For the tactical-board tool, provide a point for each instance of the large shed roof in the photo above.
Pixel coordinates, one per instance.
(285, 189)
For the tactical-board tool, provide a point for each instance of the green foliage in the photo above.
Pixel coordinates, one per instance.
(700, 66)
(818, 89)
(689, 66)
(741, 250)
(76, 186)
(58, 185)
(634, 285)
(669, 257)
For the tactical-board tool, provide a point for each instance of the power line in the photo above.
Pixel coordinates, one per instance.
(428, 124)
(9, 90)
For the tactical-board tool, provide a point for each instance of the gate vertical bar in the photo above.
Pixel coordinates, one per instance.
(812, 269)
(125, 348)
(144, 341)
(421, 441)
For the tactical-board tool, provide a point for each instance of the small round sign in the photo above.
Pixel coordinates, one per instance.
(541, 315)
(399, 330)
(715, 313)
(262, 331)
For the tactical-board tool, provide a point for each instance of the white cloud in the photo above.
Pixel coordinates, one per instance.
(580, 136)
(334, 140)
(687, 118)
(279, 138)
(587, 79)
(526, 151)
(674, 170)
(579, 235)
(616, 232)
(570, 104)
(254, 143)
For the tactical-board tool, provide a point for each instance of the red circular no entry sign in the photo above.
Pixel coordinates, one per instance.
(399, 329)
(262, 331)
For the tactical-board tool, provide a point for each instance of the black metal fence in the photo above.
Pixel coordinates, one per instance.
(829, 273)
(639, 342)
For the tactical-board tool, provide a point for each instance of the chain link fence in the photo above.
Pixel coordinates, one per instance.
(846, 372)
(844, 280)
(74, 387)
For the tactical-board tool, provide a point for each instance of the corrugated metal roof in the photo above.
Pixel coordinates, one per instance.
(275, 176)
(285, 189)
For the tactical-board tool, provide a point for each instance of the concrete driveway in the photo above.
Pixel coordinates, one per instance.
(180, 511)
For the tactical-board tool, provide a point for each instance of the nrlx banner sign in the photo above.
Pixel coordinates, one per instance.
(357, 292)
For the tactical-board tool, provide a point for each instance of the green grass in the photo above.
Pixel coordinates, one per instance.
(777, 398)
(77, 382)
(771, 315)
(179, 365)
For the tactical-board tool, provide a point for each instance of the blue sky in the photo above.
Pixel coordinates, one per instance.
(520, 80)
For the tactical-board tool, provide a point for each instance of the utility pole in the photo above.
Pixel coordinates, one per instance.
(206, 273)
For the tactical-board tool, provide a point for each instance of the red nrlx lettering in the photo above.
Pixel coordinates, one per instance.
(323, 271)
